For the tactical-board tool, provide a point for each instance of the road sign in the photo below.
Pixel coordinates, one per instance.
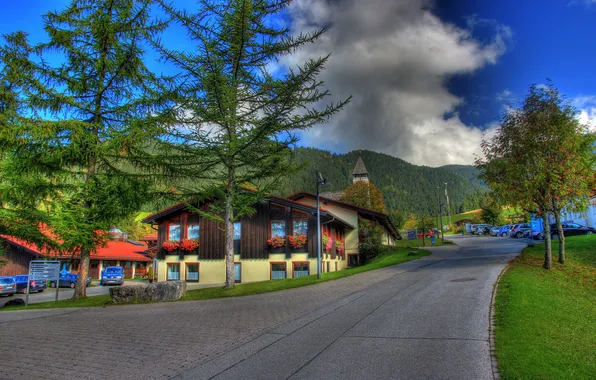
(43, 270)
(412, 235)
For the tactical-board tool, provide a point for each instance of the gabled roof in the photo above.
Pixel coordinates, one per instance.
(273, 198)
(360, 169)
(384, 218)
(337, 195)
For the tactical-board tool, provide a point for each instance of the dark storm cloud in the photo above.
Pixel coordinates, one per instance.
(395, 57)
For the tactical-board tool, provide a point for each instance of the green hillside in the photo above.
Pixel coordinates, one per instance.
(405, 187)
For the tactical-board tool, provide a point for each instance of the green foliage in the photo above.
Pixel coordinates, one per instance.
(492, 212)
(69, 129)
(371, 244)
(405, 187)
(364, 194)
(540, 158)
(236, 122)
(398, 218)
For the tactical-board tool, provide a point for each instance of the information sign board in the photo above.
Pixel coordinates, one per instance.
(412, 235)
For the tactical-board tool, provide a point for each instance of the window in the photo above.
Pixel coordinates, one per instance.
(300, 226)
(94, 264)
(300, 269)
(278, 228)
(193, 231)
(237, 234)
(192, 272)
(128, 264)
(237, 272)
(278, 271)
(173, 271)
(174, 232)
(141, 265)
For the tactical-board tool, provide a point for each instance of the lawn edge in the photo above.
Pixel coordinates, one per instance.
(491, 323)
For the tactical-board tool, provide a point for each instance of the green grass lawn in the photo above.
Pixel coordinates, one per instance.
(546, 320)
(395, 255)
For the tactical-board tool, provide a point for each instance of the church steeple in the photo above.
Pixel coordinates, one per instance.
(360, 173)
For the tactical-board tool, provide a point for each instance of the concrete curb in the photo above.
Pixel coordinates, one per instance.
(491, 326)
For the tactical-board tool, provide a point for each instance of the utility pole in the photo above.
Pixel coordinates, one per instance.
(439, 217)
(448, 208)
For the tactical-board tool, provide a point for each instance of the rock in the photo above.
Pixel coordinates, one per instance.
(159, 292)
(15, 302)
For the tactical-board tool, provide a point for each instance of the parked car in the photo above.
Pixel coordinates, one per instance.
(494, 231)
(68, 280)
(7, 286)
(112, 275)
(520, 230)
(504, 230)
(482, 229)
(569, 229)
(34, 286)
(428, 234)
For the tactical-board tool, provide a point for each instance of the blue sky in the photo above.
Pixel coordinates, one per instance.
(445, 89)
(551, 39)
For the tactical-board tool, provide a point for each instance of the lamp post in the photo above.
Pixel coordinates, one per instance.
(439, 218)
(448, 208)
(320, 182)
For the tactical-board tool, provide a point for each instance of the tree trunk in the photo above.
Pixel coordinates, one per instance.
(81, 286)
(561, 237)
(548, 255)
(229, 241)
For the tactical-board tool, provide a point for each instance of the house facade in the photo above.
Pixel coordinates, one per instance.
(266, 244)
(277, 242)
(586, 218)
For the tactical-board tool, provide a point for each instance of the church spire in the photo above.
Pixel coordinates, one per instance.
(360, 173)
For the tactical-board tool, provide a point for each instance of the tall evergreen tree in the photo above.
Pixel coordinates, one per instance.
(237, 120)
(85, 100)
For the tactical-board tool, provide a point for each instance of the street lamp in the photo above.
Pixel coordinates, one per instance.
(448, 208)
(320, 182)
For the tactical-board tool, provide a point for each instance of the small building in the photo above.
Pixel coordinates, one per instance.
(130, 255)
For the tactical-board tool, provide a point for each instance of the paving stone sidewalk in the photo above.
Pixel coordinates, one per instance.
(159, 340)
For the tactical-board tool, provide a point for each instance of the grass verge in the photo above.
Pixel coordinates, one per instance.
(394, 256)
(545, 321)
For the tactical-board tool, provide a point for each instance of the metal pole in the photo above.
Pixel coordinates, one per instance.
(28, 282)
(440, 218)
(448, 208)
(442, 233)
(57, 280)
(318, 232)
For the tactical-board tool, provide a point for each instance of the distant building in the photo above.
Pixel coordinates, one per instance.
(358, 174)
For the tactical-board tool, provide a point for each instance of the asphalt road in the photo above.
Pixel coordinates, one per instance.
(430, 322)
(425, 319)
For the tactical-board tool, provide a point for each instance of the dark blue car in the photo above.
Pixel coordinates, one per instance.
(112, 275)
(34, 286)
(68, 280)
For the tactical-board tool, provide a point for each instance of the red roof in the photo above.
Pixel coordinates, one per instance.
(150, 237)
(113, 250)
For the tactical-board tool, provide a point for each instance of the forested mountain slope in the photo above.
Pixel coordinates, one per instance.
(405, 187)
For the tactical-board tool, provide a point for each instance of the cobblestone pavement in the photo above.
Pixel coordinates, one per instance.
(154, 341)
(159, 341)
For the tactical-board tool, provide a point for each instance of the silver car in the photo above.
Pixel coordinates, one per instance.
(8, 286)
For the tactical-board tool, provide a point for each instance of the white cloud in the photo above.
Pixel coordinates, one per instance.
(586, 106)
(394, 58)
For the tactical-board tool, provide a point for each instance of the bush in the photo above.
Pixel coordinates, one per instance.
(372, 242)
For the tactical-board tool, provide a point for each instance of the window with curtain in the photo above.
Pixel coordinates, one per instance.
(173, 271)
(278, 271)
(300, 269)
(278, 227)
(237, 234)
(300, 226)
(192, 272)
(174, 232)
(193, 231)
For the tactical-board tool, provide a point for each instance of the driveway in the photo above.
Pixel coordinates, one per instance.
(427, 318)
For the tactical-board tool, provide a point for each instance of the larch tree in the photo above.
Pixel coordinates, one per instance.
(364, 194)
(236, 119)
(85, 99)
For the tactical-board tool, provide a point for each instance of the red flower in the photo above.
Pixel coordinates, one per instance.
(189, 245)
(277, 241)
(297, 241)
(170, 245)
